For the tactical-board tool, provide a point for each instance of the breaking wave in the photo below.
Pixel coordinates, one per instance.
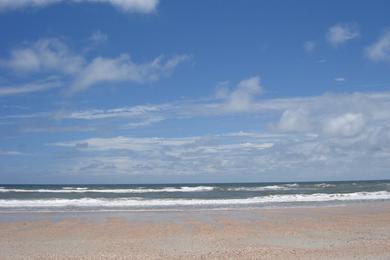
(150, 203)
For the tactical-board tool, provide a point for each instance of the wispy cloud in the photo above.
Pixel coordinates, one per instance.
(380, 50)
(172, 156)
(51, 56)
(10, 153)
(293, 112)
(127, 143)
(122, 69)
(122, 112)
(340, 79)
(309, 46)
(139, 6)
(28, 88)
(341, 33)
(98, 37)
(44, 55)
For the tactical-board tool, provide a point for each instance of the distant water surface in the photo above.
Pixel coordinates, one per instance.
(186, 196)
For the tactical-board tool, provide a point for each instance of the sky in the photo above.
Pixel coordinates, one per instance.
(149, 91)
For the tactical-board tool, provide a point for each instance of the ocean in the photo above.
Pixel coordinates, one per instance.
(54, 198)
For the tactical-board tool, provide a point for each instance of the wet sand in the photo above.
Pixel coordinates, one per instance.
(354, 231)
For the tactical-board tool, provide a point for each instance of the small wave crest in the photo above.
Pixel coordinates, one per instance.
(74, 188)
(266, 188)
(261, 188)
(325, 185)
(137, 190)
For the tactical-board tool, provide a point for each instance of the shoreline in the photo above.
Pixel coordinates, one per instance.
(26, 215)
(348, 231)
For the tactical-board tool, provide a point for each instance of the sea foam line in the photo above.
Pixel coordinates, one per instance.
(125, 202)
(150, 190)
(138, 190)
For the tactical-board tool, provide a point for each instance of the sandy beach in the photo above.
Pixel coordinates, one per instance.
(354, 231)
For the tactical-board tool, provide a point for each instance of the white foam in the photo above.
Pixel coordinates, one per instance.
(292, 185)
(266, 188)
(129, 203)
(325, 185)
(73, 188)
(138, 190)
(261, 188)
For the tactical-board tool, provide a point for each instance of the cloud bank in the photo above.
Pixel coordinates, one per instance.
(301, 135)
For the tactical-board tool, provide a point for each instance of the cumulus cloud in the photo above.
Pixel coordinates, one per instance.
(380, 50)
(349, 124)
(294, 121)
(139, 6)
(341, 33)
(242, 97)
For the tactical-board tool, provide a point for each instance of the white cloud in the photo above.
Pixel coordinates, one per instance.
(242, 98)
(127, 143)
(53, 56)
(173, 156)
(309, 46)
(349, 124)
(10, 153)
(294, 121)
(209, 144)
(380, 50)
(340, 79)
(137, 116)
(145, 122)
(222, 90)
(123, 112)
(335, 134)
(28, 88)
(240, 154)
(98, 37)
(140, 6)
(341, 33)
(48, 54)
(122, 69)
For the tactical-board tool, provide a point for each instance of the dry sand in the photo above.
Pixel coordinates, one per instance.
(355, 231)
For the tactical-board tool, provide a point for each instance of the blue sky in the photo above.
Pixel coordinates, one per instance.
(193, 91)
